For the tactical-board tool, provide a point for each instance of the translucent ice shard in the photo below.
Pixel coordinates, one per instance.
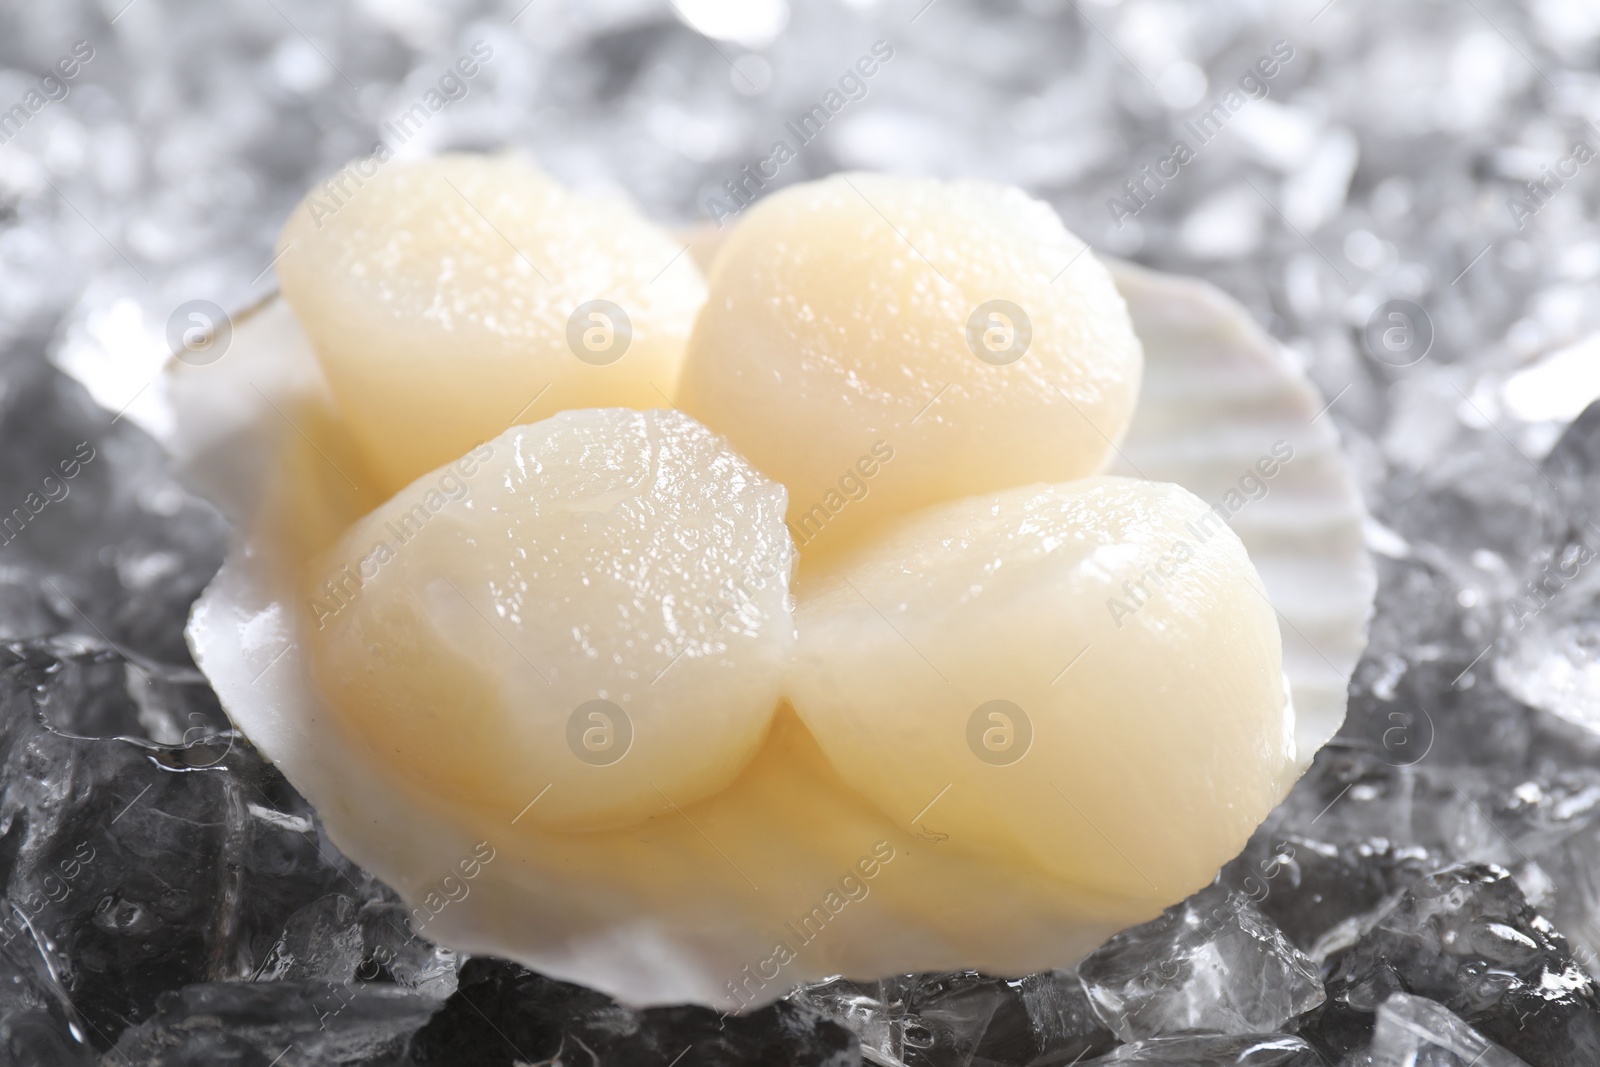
(1552, 654)
(928, 1020)
(1466, 938)
(537, 1020)
(1212, 1050)
(1211, 963)
(250, 1022)
(155, 868)
(1414, 1030)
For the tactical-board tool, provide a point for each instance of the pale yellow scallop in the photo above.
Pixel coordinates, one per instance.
(1088, 676)
(590, 612)
(879, 344)
(448, 298)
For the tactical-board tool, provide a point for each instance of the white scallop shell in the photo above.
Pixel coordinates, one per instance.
(693, 905)
(1218, 395)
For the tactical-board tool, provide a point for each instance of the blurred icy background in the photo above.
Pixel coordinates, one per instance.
(177, 902)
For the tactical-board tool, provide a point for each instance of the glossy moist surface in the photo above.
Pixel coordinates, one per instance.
(845, 349)
(1044, 695)
(603, 584)
(449, 298)
(1086, 674)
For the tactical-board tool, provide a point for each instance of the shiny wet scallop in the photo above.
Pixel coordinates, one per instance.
(591, 611)
(448, 298)
(879, 344)
(1086, 675)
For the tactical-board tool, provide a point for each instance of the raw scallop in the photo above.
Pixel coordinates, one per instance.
(1088, 675)
(879, 344)
(592, 610)
(449, 298)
